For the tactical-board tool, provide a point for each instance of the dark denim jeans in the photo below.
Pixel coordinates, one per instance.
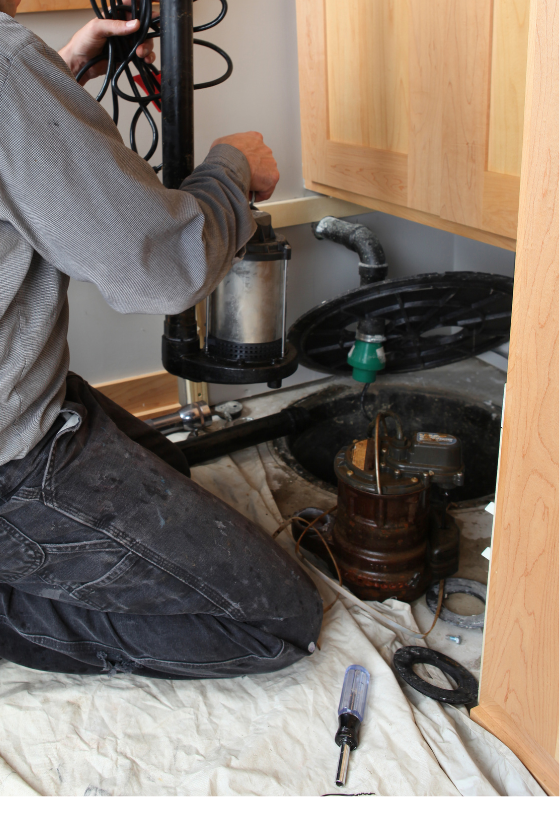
(112, 559)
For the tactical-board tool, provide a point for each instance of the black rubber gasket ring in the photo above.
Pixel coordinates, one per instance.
(465, 695)
(465, 586)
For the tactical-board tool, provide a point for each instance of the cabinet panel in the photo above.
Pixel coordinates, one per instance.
(375, 172)
(507, 92)
(378, 173)
(426, 57)
(418, 104)
(466, 76)
(374, 69)
(312, 62)
(500, 203)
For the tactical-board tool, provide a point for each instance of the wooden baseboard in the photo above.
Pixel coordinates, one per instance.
(150, 395)
(539, 763)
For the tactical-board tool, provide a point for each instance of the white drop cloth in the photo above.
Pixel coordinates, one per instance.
(267, 735)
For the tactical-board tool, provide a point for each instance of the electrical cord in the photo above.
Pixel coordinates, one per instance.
(301, 536)
(120, 54)
(363, 396)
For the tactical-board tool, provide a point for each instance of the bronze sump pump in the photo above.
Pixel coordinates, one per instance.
(389, 539)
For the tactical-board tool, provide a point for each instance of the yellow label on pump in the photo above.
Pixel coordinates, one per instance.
(359, 454)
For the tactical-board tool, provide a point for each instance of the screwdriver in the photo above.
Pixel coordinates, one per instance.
(350, 716)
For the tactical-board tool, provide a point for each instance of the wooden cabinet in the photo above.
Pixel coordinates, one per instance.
(518, 699)
(415, 108)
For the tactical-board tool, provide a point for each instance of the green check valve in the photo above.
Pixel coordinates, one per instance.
(367, 356)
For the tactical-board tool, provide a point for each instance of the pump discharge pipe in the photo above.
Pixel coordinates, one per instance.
(366, 356)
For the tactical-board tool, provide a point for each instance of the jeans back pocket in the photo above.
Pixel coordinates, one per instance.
(19, 556)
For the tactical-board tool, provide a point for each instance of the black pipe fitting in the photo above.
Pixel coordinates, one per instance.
(373, 264)
(180, 338)
(215, 444)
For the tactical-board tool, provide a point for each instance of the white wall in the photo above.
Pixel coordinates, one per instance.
(262, 94)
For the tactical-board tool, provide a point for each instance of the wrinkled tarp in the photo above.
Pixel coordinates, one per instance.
(267, 735)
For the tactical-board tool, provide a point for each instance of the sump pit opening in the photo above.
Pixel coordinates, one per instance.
(337, 420)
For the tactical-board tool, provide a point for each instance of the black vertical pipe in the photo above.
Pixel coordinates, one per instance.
(177, 132)
(177, 86)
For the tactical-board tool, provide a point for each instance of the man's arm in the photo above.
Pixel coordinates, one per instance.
(97, 211)
(89, 42)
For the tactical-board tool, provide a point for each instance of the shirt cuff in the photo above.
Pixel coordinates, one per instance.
(234, 160)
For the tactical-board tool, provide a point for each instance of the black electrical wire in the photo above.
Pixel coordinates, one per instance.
(120, 55)
(363, 396)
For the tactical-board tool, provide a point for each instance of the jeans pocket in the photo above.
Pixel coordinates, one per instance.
(19, 556)
(99, 594)
(135, 586)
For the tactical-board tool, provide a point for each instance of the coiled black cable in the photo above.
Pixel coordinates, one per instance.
(120, 55)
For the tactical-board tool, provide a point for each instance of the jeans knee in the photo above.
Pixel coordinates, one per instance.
(299, 627)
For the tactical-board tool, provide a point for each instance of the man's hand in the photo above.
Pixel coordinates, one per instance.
(264, 171)
(89, 41)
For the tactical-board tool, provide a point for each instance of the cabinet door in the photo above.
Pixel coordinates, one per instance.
(416, 106)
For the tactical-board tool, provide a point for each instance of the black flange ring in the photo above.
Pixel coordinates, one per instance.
(465, 586)
(465, 695)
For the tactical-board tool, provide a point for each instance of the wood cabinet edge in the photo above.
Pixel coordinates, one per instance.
(540, 764)
(416, 216)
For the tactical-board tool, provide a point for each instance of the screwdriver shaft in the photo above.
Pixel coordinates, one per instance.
(343, 765)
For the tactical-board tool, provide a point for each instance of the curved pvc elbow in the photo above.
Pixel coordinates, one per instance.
(373, 264)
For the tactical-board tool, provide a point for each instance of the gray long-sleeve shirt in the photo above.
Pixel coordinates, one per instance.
(75, 201)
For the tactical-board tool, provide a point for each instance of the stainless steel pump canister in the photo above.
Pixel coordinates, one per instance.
(247, 305)
(246, 317)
